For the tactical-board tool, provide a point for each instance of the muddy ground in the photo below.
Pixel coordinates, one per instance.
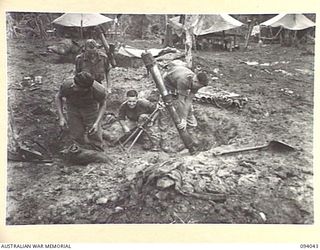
(258, 186)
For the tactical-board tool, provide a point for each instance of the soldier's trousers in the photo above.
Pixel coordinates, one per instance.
(80, 121)
(151, 136)
(181, 108)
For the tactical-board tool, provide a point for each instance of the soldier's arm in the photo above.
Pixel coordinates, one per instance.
(167, 82)
(185, 96)
(148, 106)
(106, 63)
(78, 64)
(184, 85)
(59, 104)
(106, 69)
(102, 110)
(122, 112)
(122, 117)
(100, 97)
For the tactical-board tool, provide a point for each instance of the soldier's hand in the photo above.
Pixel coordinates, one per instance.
(126, 129)
(161, 105)
(63, 122)
(94, 129)
(182, 125)
(143, 118)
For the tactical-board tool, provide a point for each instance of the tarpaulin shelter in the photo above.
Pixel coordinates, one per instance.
(293, 28)
(206, 24)
(81, 20)
(176, 25)
(202, 26)
(289, 21)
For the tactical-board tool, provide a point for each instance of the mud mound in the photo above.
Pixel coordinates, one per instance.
(219, 188)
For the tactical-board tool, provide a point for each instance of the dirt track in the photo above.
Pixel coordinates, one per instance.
(261, 187)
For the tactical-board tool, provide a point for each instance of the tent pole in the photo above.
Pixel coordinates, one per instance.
(81, 26)
(81, 29)
(295, 39)
(225, 46)
(250, 27)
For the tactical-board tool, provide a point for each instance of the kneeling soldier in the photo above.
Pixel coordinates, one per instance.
(136, 112)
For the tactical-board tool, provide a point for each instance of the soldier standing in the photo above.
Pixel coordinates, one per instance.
(95, 62)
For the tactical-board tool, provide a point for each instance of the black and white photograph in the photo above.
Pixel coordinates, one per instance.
(119, 118)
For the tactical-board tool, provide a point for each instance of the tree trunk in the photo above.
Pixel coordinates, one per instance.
(168, 38)
(11, 26)
(189, 40)
(188, 47)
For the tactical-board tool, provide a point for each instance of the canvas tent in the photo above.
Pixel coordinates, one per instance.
(206, 24)
(289, 21)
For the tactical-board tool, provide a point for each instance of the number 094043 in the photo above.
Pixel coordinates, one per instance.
(308, 246)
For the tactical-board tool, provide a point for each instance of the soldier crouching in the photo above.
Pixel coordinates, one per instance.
(141, 113)
(86, 104)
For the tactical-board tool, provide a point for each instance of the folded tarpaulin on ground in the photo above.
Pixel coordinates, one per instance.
(134, 52)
